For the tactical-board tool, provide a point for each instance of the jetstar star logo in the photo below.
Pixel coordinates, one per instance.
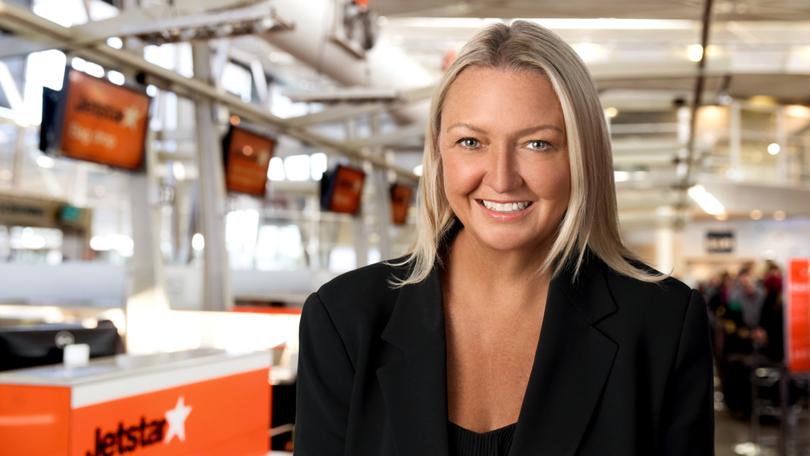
(129, 438)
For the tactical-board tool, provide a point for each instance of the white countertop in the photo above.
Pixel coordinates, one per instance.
(110, 378)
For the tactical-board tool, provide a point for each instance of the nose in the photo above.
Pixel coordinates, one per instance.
(503, 173)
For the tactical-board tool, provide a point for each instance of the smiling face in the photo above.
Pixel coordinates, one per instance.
(504, 157)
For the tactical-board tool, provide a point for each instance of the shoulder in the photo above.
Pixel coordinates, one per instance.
(363, 285)
(359, 302)
(666, 300)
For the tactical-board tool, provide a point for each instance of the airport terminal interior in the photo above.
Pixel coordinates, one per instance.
(177, 176)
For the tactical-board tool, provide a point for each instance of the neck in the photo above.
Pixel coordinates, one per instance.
(488, 272)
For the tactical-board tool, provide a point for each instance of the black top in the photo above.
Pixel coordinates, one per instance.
(464, 442)
(623, 367)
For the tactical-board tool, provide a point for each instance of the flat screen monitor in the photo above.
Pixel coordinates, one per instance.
(247, 158)
(98, 121)
(47, 130)
(40, 345)
(342, 190)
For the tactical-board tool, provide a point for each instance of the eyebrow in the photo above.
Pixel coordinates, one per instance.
(518, 133)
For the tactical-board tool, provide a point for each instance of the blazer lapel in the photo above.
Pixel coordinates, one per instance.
(572, 364)
(413, 381)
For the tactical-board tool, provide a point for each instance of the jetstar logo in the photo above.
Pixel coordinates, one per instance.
(129, 438)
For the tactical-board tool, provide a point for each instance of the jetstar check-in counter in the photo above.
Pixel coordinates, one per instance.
(202, 402)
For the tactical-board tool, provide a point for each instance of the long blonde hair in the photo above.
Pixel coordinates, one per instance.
(591, 220)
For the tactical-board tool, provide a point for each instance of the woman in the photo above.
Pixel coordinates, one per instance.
(519, 324)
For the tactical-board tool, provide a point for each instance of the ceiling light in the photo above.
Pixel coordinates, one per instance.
(774, 148)
(611, 112)
(797, 111)
(695, 52)
(708, 202)
(756, 214)
(418, 170)
(779, 215)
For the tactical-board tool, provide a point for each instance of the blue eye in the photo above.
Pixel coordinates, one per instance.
(537, 144)
(468, 143)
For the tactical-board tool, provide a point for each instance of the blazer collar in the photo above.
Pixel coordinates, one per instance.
(572, 363)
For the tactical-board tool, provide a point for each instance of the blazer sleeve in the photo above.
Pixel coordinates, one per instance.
(688, 416)
(323, 386)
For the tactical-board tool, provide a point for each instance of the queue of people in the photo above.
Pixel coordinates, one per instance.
(746, 315)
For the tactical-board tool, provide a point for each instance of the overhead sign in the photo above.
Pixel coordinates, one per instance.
(720, 242)
(797, 315)
(401, 196)
(96, 120)
(17, 210)
(247, 158)
(342, 190)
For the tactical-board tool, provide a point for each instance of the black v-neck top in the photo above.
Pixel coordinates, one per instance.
(464, 442)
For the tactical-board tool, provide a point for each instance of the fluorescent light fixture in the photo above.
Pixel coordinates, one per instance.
(706, 200)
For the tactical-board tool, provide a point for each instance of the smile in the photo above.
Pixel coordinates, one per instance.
(508, 207)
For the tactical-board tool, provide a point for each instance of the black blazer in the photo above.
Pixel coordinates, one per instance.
(622, 368)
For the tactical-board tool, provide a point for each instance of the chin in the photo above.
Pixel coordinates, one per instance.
(506, 242)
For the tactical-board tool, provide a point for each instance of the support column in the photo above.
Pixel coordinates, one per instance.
(146, 279)
(216, 273)
(382, 201)
(359, 233)
(735, 141)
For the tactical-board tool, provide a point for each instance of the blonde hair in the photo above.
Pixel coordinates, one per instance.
(591, 220)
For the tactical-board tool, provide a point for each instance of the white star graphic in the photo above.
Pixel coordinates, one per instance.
(131, 117)
(177, 421)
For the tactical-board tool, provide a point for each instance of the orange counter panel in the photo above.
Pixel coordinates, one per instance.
(220, 416)
(34, 420)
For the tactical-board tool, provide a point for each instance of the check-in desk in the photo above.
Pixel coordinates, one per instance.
(201, 402)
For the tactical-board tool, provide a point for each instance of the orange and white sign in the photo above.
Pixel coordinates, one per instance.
(246, 161)
(219, 416)
(103, 122)
(798, 315)
(401, 196)
(347, 190)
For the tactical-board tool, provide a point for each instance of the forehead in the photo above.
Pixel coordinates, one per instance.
(497, 96)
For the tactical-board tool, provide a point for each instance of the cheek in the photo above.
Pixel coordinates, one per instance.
(460, 176)
(553, 183)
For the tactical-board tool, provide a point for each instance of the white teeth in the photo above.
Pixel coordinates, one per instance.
(505, 207)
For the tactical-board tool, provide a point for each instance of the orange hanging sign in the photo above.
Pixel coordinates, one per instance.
(103, 122)
(247, 158)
